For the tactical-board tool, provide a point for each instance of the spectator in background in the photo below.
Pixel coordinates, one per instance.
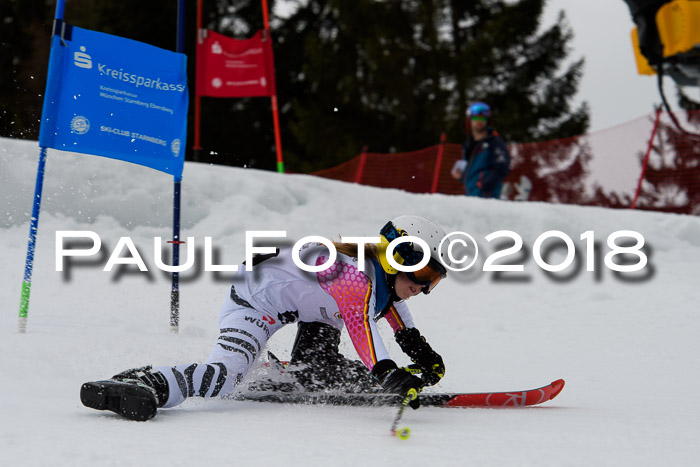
(485, 160)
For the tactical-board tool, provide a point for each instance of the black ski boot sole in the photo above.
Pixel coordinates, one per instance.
(125, 399)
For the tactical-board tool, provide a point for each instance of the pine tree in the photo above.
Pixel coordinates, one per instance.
(498, 55)
(359, 73)
(400, 73)
(25, 38)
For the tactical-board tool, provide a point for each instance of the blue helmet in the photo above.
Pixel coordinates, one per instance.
(479, 108)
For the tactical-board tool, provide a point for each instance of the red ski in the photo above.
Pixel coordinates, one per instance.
(428, 399)
(505, 399)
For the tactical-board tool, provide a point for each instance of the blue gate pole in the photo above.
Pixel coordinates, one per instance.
(31, 247)
(34, 222)
(175, 289)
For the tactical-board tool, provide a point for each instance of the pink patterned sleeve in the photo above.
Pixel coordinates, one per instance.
(352, 290)
(399, 317)
(395, 320)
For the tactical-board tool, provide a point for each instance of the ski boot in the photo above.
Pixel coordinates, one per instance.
(135, 394)
(272, 377)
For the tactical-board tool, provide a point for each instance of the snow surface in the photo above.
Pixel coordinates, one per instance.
(628, 350)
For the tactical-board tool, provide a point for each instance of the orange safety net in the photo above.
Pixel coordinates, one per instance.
(601, 168)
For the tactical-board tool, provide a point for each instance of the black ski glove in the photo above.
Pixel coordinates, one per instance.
(398, 381)
(420, 352)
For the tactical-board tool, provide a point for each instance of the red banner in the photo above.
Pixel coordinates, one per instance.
(228, 67)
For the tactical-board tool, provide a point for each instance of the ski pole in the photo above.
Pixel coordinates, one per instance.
(405, 432)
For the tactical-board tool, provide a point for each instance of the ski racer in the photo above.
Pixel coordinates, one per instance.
(276, 293)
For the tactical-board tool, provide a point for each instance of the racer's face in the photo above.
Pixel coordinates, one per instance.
(405, 288)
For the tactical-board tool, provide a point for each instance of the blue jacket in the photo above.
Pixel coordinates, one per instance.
(488, 163)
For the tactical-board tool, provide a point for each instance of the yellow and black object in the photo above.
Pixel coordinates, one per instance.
(667, 38)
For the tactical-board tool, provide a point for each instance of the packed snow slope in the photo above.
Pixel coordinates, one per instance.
(626, 343)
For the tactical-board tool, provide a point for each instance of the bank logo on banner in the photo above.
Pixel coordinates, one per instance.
(115, 97)
(81, 59)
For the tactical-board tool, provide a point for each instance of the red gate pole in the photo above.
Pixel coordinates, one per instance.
(646, 159)
(273, 98)
(197, 148)
(438, 162)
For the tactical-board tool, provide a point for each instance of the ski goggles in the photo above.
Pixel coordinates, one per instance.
(480, 118)
(479, 109)
(429, 276)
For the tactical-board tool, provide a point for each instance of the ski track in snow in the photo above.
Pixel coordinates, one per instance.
(628, 350)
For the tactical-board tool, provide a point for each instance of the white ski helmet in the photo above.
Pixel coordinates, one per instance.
(408, 254)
